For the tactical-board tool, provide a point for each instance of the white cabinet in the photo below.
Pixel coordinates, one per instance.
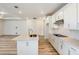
(78, 11)
(78, 16)
(60, 46)
(59, 15)
(73, 51)
(52, 40)
(56, 42)
(70, 16)
(27, 47)
(65, 48)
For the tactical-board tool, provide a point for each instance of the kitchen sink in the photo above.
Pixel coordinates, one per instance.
(59, 35)
(33, 35)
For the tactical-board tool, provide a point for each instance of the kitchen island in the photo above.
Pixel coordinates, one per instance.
(27, 44)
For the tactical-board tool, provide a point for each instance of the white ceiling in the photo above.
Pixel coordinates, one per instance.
(29, 9)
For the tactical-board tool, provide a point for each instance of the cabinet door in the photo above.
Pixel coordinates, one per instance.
(78, 16)
(56, 42)
(60, 46)
(73, 51)
(27, 47)
(65, 48)
(70, 16)
(51, 40)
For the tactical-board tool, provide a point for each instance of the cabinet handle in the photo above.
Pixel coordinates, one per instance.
(27, 43)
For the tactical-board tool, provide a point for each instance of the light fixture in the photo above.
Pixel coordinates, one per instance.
(20, 12)
(2, 13)
(13, 18)
(16, 7)
(41, 11)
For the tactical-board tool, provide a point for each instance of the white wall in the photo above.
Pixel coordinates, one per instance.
(24, 26)
(36, 26)
(10, 27)
(1, 27)
(40, 27)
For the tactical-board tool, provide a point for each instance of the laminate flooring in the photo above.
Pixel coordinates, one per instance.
(8, 46)
(45, 48)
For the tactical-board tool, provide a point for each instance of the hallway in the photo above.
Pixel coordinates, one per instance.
(45, 47)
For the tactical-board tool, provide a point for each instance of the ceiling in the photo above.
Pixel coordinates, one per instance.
(28, 10)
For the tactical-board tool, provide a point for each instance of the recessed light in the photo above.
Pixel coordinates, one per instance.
(2, 13)
(20, 12)
(15, 6)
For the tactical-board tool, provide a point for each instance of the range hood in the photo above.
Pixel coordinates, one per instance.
(59, 22)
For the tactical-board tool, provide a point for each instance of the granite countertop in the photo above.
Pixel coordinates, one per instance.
(25, 37)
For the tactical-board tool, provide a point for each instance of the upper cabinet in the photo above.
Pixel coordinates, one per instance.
(78, 16)
(59, 15)
(70, 16)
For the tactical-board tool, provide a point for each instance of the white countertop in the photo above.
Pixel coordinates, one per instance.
(25, 37)
(71, 41)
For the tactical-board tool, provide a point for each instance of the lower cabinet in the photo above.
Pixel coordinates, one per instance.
(27, 47)
(60, 46)
(63, 47)
(73, 51)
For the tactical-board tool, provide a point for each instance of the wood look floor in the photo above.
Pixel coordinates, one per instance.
(45, 48)
(8, 46)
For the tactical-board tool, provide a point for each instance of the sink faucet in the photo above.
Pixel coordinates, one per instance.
(30, 31)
